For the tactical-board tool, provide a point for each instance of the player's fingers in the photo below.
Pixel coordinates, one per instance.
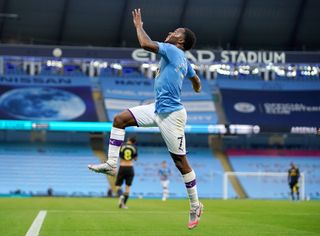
(136, 14)
(136, 11)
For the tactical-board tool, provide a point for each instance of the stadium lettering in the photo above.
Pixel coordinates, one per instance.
(288, 108)
(252, 57)
(304, 130)
(207, 56)
(202, 56)
(143, 55)
(34, 80)
(133, 82)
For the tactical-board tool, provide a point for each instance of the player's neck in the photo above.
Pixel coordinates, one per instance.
(180, 46)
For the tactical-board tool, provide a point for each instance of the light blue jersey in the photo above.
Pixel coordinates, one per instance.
(164, 173)
(174, 67)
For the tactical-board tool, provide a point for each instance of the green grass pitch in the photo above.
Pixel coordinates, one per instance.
(98, 216)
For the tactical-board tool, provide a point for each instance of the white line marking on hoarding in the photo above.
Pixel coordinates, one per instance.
(37, 223)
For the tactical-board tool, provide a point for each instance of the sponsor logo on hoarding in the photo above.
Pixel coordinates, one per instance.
(244, 107)
(288, 108)
(304, 130)
(12, 79)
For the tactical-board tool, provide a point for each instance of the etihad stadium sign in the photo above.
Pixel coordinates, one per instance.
(209, 57)
(140, 55)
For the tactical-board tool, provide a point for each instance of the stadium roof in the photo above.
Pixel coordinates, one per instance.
(226, 24)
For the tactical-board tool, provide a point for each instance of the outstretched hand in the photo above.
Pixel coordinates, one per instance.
(136, 15)
(144, 39)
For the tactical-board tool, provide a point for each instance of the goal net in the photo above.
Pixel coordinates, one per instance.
(259, 185)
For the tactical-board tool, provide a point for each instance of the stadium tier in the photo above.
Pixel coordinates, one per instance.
(122, 93)
(51, 97)
(34, 168)
(147, 182)
(275, 161)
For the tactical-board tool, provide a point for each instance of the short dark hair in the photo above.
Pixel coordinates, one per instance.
(189, 39)
(132, 139)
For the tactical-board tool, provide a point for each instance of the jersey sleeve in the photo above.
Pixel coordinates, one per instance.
(190, 71)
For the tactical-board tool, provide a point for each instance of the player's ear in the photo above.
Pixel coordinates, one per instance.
(181, 41)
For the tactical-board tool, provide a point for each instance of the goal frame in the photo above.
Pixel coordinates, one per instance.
(259, 174)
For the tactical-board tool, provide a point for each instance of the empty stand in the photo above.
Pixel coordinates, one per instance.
(273, 161)
(34, 168)
(147, 182)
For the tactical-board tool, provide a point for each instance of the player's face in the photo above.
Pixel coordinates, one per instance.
(164, 164)
(174, 37)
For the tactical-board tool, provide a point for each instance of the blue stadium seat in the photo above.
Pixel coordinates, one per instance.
(33, 169)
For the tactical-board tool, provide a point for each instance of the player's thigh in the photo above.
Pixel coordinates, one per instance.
(172, 130)
(120, 179)
(129, 177)
(144, 115)
(165, 183)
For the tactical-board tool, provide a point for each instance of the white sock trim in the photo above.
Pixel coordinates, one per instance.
(117, 133)
(189, 176)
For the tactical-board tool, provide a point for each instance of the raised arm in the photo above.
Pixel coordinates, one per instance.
(144, 40)
(196, 83)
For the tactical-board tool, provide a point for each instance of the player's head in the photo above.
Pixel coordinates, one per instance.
(132, 140)
(164, 164)
(189, 39)
(183, 37)
(293, 165)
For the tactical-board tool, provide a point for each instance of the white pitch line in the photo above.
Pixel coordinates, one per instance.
(113, 211)
(36, 224)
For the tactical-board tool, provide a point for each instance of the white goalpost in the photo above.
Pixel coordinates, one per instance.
(260, 185)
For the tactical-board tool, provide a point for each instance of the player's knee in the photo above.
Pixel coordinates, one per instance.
(181, 163)
(123, 120)
(119, 122)
(182, 167)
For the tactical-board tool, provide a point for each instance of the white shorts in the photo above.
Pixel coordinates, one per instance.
(171, 125)
(165, 183)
